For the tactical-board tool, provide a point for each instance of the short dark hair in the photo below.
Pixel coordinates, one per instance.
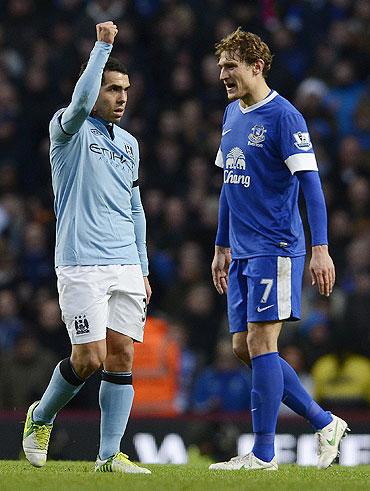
(112, 65)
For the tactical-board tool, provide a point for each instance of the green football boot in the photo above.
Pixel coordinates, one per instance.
(119, 462)
(36, 438)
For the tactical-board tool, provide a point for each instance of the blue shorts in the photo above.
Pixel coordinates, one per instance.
(263, 289)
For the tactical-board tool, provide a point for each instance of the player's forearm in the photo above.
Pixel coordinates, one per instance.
(222, 236)
(138, 216)
(87, 89)
(315, 205)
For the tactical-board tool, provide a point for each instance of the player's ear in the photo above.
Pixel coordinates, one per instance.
(258, 66)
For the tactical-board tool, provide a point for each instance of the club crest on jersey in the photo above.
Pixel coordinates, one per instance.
(257, 135)
(235, 159)
(302, 141)
(129, 150)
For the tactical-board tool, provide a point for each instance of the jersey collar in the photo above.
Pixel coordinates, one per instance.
(264, 101)
(101, 124)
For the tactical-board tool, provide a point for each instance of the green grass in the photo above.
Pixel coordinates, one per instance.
(79, 476)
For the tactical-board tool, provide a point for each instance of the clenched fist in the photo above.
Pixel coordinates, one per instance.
(106, 31)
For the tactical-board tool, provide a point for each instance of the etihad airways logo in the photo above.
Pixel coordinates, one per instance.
(109, 155)
(235, 160)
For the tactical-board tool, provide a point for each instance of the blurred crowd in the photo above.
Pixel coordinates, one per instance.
(321, 57)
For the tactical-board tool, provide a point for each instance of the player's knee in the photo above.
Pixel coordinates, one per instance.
(88, 362)
(252, 344)
(241, 352)
(256, 343)
(120, 360)
(94, 362)
(259, 344)
(90, 365)
(240, 347)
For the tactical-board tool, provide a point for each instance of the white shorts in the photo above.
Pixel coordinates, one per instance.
(93, 298)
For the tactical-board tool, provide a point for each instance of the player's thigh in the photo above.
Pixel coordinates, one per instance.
(127, 305)
(83, 299)
(274, 288)
(237, 297)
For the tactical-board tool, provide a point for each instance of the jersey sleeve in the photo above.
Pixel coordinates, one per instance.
(55, 129)
(219, 161)
(315, 206)
(295, 144)
(137, 161)
(68, 122)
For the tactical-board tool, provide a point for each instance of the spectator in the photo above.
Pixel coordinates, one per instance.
(50, 331)
(223, 386)
(11, 324)
(156, 369)
(27, 362)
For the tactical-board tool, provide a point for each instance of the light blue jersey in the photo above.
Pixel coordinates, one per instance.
(100, 219)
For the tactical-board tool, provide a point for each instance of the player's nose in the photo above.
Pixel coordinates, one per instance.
(223, 74)
(122, 97)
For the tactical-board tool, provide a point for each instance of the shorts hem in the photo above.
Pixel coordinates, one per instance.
(236, 330)
(286, 319)
(128, 333)
(281, 253)
(259, 321)
(91, 340)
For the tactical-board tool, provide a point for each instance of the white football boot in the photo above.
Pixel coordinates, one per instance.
(329, 439)
(247, 462)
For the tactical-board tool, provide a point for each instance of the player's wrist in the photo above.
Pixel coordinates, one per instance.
(102, 43)
(320, 247)
(222, 249)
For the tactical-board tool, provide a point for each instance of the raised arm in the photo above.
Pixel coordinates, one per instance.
(87, 88)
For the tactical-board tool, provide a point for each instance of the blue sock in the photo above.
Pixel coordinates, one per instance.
(267, 392)
(299, 400)
(115, 398)
(63, 386)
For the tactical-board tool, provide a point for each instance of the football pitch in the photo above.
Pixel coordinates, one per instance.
(79, 476)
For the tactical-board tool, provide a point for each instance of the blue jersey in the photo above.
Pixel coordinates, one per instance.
(92, 177)
(262, 146)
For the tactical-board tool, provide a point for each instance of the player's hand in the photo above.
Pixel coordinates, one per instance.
(148, 289)
(106, 31)
(220, 268)
(322, 270)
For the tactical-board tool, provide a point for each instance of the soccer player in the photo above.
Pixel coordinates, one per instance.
(266, 155)
(100, 257)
